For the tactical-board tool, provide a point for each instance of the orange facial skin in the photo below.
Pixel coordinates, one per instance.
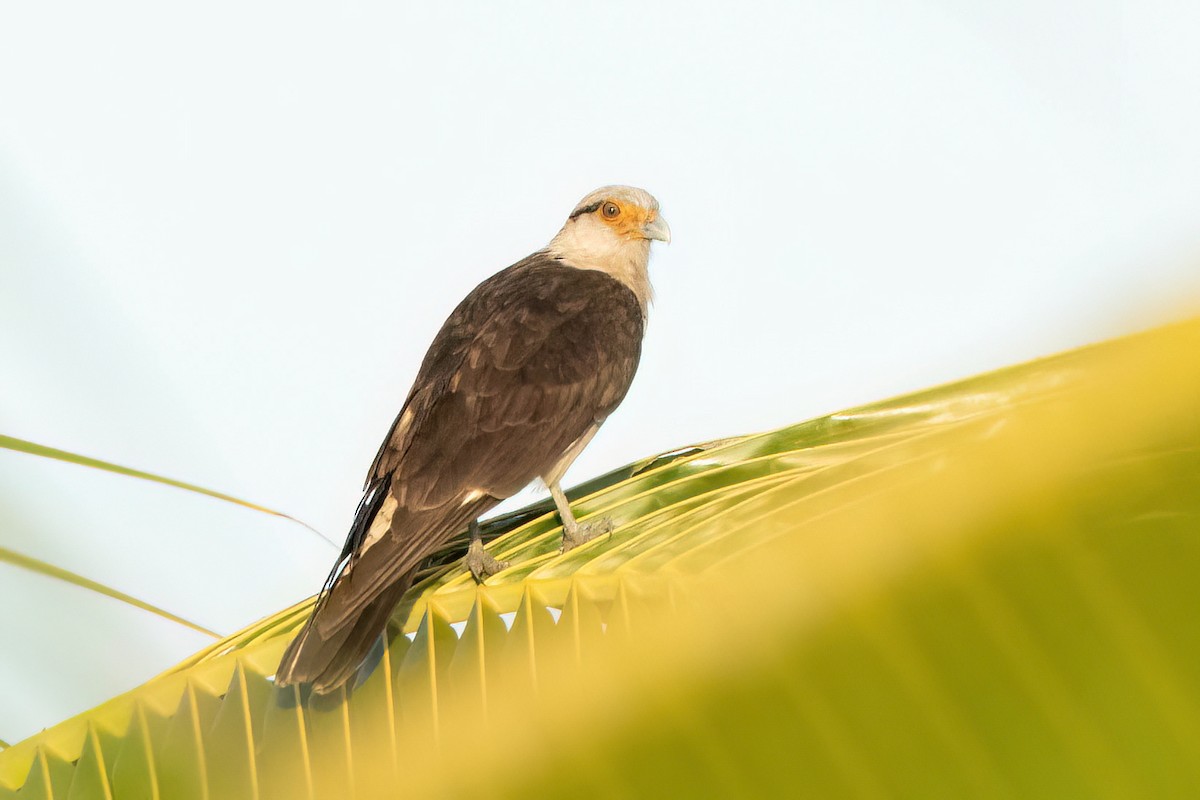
(630, 221)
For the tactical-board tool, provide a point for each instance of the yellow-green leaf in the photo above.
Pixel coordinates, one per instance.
(58, 573)
(32, 448)
(985, 589)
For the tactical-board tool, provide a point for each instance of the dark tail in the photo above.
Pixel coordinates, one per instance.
(331, 659)
(327, 662)
(366, 584)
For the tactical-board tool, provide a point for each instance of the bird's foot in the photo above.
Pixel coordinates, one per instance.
(481, 563)
(575, 535)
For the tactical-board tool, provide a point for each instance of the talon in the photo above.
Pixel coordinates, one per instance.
(575, 535)
(481, 563)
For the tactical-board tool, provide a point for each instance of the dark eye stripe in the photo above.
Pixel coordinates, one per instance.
(587, 209)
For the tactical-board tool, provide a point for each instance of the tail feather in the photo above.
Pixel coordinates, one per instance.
(329, 662)
(415, 536)
(366, 583)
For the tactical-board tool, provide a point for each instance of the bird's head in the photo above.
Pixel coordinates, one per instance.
(622, 212)
(611, 230)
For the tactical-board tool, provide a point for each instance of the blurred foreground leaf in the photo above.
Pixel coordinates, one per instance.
(986, 589)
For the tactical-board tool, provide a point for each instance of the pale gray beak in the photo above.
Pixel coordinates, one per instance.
(658, 229)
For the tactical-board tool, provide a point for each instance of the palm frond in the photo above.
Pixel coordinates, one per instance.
(32, 448)
(983, 589)
(75, 579)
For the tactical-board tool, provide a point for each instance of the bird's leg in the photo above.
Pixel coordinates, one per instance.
(575, 534)
(480, 562)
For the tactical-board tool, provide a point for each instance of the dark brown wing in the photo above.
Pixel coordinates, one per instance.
(532, 359)
(535, 340)
(528, 362)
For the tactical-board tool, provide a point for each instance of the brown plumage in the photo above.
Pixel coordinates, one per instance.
(518, 378)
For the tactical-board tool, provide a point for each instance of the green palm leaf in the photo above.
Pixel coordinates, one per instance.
(984, 589)
(54, 572)
(33, 448)
(58, 573)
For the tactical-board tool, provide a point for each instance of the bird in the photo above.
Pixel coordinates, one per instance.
(514, 386)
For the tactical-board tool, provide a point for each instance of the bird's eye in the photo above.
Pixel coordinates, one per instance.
(610, 210)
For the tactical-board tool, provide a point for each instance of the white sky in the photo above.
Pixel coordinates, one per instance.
(228, 233)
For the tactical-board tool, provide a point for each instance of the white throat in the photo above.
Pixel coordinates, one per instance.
(587, 243)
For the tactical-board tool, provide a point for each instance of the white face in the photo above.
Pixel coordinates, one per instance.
(626, 214)
(610, 230)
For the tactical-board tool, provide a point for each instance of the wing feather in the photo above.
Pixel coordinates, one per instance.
(531, 360)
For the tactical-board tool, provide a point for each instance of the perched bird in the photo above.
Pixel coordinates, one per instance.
(516, 383)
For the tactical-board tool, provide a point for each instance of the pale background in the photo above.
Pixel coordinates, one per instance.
(229, 231)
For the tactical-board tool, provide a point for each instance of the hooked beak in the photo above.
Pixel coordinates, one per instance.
(657, 228)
